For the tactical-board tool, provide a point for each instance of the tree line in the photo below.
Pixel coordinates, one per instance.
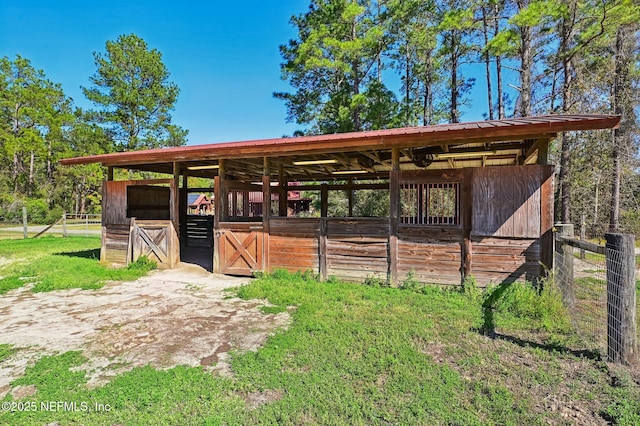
(358, 65)
(39, 125)
(370, 64)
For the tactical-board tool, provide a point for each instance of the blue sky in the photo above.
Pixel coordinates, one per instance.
(223, 55)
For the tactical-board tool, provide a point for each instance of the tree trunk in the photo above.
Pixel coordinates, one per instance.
(526, 61)
(487, 63)
(496, 30)
(623, 106)
(454, 114)
(31, 173)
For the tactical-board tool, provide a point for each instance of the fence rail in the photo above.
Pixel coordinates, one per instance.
(598, 284)
(67, 224)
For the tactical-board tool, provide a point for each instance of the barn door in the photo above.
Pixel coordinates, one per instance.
(152, 239)
(241, 250)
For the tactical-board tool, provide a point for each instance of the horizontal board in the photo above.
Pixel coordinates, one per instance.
(357, 262)
(293, 226)
(361, 226)
(341, 248)
(278, 241)
(442, 233)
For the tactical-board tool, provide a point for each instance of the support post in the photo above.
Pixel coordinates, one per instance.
(25, 225)
(394, 213)
(283, 194)
(175, 211)
(322, 249)
(621, 298)
(222, 191)
(324, 200)
(64, 224)
(217, 211)
(266, 212)
(564, 266)
(350, 193)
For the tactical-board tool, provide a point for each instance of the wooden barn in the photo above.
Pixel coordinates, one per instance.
(464, 199)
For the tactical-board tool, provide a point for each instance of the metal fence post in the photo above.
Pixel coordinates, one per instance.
(564, 265)
(25, 225)
(621, 298)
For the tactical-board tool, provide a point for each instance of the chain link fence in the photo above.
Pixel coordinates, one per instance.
(599, 288)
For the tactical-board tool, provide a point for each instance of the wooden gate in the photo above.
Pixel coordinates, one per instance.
(154, 239)
(240, 249)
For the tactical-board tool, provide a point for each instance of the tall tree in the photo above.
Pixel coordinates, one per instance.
(455, 27)
(134, 95)
(333, 65)
(33, 112)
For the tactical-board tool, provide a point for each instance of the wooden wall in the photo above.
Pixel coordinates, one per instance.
(124, 200)
(293, 244)
(501, 237)
(357, 247)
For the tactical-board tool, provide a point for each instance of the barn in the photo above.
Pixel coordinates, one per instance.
(464, 199)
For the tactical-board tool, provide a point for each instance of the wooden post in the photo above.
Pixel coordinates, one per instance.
(394, 213)
(25, 225)
(283, 194)
(175, 212)
(110, 173)
(324, 200)
(466, 208)
(64, 224)
(564, 266)
(266, 212)
(184, 199)
(621, 298)
(322, 249)
(217, 200)
(350, 194)
(222, 191)
(582, 233)
(543, 152)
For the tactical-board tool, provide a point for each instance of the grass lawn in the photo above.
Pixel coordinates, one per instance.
(360, 354)
(55, 263)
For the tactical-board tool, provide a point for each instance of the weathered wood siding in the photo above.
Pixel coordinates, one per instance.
(357, 248)
(122, 200)
(500, 260)
(506, 202)
(293, 244)
(432, 254)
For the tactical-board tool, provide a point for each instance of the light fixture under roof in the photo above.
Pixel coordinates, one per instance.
(314, 162)
(465, 154)
(349, 172)
(209, 167)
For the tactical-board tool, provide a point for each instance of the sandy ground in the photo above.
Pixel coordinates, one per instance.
(168, 318)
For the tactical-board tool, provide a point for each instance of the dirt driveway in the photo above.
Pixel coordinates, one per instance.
(168, 318)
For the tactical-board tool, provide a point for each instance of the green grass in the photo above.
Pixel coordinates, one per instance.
(56, 263)
(357, 354)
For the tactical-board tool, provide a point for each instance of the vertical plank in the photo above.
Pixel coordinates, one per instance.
(466, 209)
(546, 220)
(216, 224)
(324, 200)
(222, 190)
(283, 192)
(266, 216)
(322, 249)
(110, 173)
(394, 214)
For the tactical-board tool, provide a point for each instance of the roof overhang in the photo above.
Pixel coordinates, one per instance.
(367, 154)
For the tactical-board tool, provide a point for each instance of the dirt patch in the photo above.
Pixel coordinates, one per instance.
(168, 318)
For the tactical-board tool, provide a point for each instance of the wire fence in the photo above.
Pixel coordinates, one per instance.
(599, 289)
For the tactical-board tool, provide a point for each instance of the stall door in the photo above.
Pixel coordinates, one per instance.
(241, 250)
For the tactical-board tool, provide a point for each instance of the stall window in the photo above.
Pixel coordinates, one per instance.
(430, 203)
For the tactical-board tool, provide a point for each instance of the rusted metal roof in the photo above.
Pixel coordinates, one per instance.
(479, 132)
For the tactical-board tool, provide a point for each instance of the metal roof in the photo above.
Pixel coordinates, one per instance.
(471, 144)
